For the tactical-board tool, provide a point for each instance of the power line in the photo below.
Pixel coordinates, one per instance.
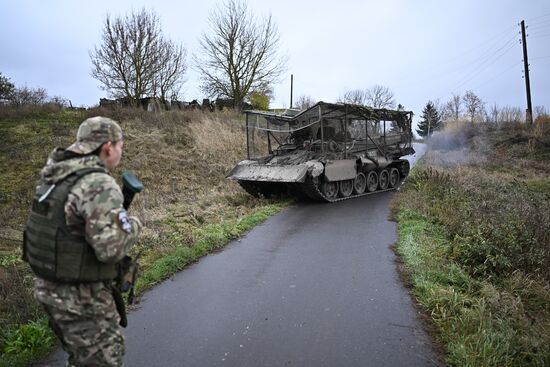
(539, 23)
(540, 16)
(538, 36)
(488, 49)
(446, 66)
(517, 63)
(499, 36)
(494, 50)
(488, 61)
(491, 56)
(471, 66)
(538, 28)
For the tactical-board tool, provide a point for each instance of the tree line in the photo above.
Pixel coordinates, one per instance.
(468, 107)
(13, 95)
(376, 96)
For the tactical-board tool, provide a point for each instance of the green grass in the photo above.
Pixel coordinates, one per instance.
(479, 324)
(473, 237)
(26, 343)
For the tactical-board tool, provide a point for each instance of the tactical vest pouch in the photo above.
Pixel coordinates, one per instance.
(53, 252)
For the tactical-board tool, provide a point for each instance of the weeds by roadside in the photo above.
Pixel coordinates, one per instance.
(474, 225)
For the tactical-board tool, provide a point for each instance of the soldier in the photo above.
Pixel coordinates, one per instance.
(76, 234)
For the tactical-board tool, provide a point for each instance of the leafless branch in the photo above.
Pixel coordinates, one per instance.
(239, 54)
(475, 107)
(355, 96)
(379, 96)
(134, 60)
(304, 102)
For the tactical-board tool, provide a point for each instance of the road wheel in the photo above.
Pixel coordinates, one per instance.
(394, 177)
(372, 181)
(329, 189)
(346, 188)
(383, 179)
(359, 184)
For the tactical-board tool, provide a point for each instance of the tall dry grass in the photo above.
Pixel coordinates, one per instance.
(219, 140)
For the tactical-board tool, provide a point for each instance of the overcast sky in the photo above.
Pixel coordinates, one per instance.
(422, 50)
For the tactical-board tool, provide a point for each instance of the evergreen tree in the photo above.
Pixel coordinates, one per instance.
(7, 89)
(431, 121)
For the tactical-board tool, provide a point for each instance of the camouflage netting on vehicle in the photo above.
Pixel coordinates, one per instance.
(326, 152)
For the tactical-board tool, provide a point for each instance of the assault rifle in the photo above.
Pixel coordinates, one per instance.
(127, 267)
(131, 185)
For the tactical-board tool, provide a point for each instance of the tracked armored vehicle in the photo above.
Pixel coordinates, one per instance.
(329, 152)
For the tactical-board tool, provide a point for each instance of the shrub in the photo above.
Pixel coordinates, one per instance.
(474, 221)
(28, 342)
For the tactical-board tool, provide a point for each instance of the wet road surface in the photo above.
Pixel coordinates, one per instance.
(315, 285)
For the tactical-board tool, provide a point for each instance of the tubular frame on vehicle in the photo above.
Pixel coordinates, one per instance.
(327, 150)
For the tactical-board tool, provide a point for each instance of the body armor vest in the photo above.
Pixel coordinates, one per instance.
(53, 252)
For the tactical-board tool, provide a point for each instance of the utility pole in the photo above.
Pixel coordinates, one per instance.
(529, 117)
(291, 87)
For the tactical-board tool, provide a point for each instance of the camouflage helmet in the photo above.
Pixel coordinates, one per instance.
(93, 132)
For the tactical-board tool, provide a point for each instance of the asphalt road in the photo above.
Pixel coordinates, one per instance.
(315, 285)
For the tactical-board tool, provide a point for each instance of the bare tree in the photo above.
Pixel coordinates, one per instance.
(439, 107)
(494, 113)
(239, 54)
(59, 101)
(510, 114)
(134, 60)
(304, 102)
(354, 96)
(540, 111)
(453, 108)
(169, 79)
(29, 96)
(473, 104)
(379, 96)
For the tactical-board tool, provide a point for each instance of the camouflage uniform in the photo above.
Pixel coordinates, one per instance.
(83, 315)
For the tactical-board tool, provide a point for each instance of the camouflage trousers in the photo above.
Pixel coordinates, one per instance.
(89, 342)
(86, 322)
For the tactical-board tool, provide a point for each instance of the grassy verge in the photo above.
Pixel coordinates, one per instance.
(474, 239)
(188, 207)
